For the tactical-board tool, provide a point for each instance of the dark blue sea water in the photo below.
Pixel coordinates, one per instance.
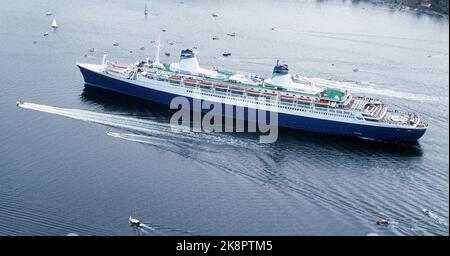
(62, 172)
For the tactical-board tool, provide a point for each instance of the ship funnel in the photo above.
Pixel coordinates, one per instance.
(188, 61)
(281, 76)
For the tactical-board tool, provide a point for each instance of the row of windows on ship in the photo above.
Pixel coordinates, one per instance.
(317, 110)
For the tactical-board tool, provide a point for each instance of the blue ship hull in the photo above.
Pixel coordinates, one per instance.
(95, 79)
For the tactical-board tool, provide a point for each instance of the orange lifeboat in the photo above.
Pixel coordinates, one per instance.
(190, 81)
(270, 94)
(287, 97)
(321, 102)
(303, 99)
(236, 89)
(174, 78)
(253, 91)
(221, 86)
(206, 84)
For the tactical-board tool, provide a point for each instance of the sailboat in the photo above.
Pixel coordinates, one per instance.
(54, 25)
(145, 10)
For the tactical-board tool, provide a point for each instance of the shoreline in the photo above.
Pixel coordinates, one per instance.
(419, 10)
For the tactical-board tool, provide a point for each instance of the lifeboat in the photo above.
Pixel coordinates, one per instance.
(205, 84)
(253, 91)
(221, 86)
(287, 97)
(174, 78)
(190, 81)
(271, 94)
(321, 102)
(239, 89)
(303, 99)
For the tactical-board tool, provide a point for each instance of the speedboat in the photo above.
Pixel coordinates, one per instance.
(382, 221)
(134, 222)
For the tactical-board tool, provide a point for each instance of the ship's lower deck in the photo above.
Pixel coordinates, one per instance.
(99, 80)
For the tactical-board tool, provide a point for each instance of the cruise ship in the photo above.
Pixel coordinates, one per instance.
(299, 102)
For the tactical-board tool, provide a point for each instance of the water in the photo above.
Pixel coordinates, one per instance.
(82, 161)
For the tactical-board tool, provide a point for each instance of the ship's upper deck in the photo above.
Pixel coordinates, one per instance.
(281, 88)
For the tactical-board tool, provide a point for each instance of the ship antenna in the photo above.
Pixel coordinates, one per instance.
(277, 62)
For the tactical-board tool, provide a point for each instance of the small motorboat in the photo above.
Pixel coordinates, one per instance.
(91, 50)
(134, 222)
(18, 103)
(142, 48)
(167, 54)
(382, 221)
(215, 38)
(231, 34)
(45, 34)
(48, 13)
(115, 44)
(214, 14)
(226, 54)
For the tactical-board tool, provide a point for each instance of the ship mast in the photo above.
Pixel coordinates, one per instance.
(156, 62)
(104, 63)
